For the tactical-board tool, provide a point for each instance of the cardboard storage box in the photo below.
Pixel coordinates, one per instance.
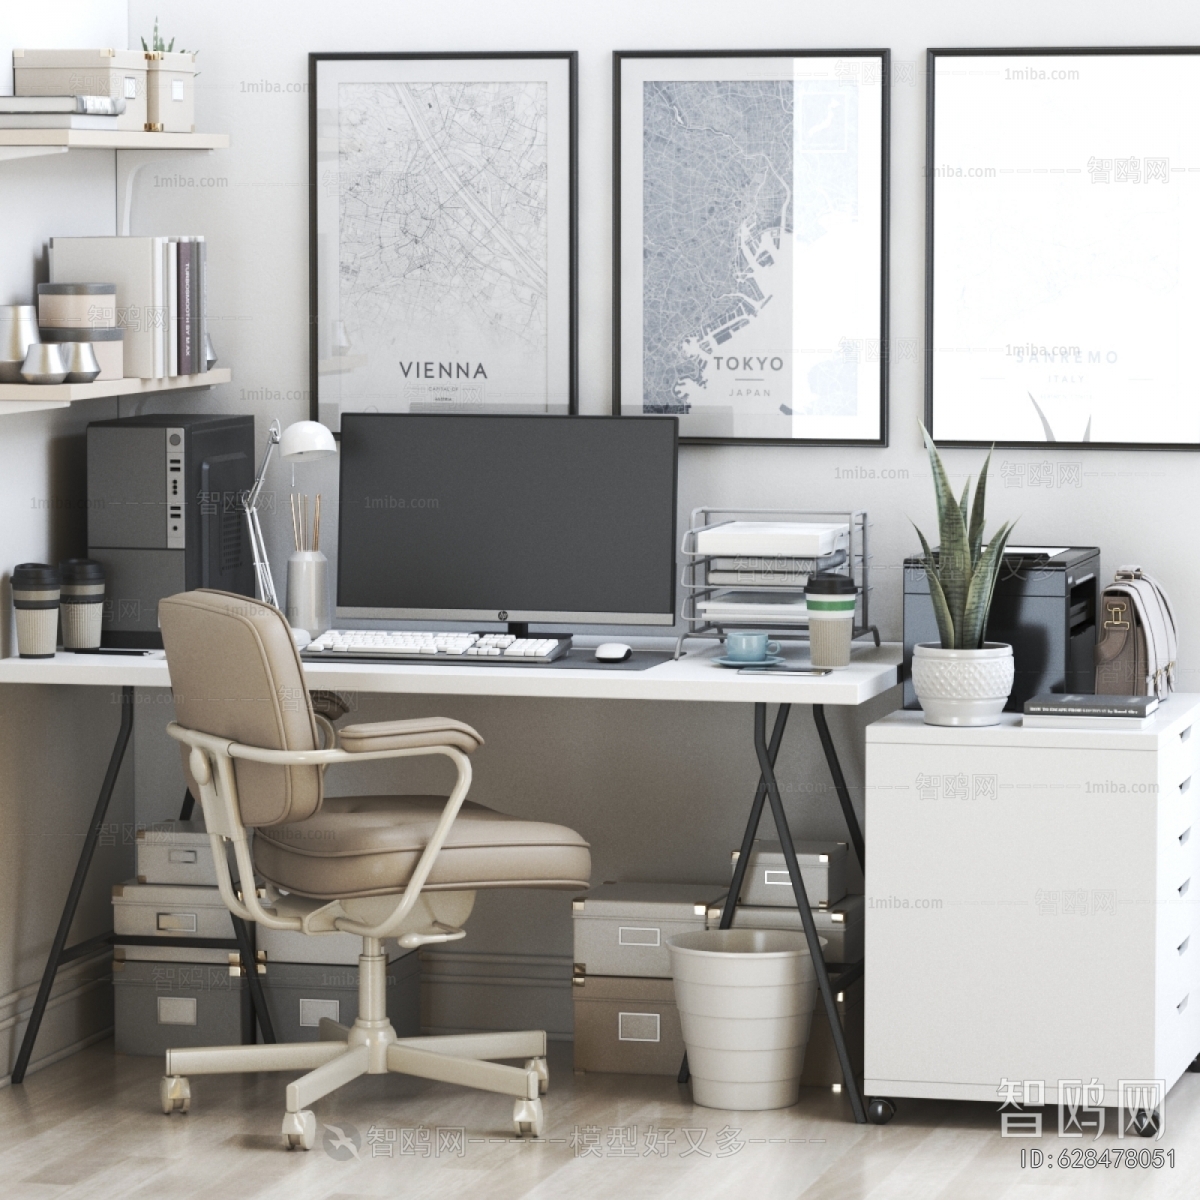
(840, 925)
(298, 995)
(86, 73)
(162, 1005)
(821, 1067)
(626, 1026)
(622, 928)
(169, 910)
(286, 945)
(822, 870)
(178, 854)
(171, 91)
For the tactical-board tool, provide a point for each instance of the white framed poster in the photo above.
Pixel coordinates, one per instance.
(751, 243)
(442, 229)
(1063, 247)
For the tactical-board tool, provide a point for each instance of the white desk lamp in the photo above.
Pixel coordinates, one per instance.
(299, 442)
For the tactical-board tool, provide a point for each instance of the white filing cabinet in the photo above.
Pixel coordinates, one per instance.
(1031, 905)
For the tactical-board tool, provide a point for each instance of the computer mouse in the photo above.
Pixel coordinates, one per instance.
(613, 652)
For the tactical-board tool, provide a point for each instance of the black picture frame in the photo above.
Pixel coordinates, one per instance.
(932, 176)
(620, 57)
(571, 59)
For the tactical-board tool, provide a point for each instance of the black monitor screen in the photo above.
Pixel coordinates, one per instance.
(507, 518)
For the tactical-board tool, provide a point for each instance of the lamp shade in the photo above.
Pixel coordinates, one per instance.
(306, 440)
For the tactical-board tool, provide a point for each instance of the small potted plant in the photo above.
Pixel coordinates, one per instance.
(964, 680)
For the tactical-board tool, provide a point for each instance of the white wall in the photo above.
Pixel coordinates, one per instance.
(660, 790)
(54, 742)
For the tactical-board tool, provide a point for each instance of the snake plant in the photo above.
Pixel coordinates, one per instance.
(962, 575)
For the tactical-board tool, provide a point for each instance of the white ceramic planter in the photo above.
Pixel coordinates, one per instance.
(962, 687)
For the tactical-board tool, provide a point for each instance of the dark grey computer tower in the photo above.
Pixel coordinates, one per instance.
(1044, 606)
(164, 514)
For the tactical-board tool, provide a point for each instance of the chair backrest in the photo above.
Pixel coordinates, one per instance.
(235, 673)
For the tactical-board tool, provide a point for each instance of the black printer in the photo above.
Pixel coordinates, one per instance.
(1044, 606)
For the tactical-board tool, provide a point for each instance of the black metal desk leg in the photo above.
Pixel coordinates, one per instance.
(743, 859)
(85, 861)
(810, 930)
(839, 783)
(250, 965)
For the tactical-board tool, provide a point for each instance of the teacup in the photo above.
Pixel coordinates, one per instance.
(746, 646)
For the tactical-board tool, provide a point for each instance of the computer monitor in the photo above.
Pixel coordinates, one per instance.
(456, 517)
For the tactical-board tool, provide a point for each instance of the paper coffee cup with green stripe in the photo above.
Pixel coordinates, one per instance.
(831, 600)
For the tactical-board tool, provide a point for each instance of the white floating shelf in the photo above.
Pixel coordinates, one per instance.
(18, 143)
(32, 397)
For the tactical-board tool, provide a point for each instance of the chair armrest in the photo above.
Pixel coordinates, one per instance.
(409, 735)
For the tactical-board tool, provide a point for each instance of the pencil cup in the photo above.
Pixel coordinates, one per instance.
(308, 591)
(36, 588)
(82, 603)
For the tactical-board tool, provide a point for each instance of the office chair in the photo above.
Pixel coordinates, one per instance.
(378, 866)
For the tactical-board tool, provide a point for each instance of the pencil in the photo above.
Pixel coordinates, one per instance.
(317, 525)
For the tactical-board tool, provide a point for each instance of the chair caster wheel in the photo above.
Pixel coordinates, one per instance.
(528, 1119)
(1146, 1124)
(880, 1111)
(543, 1073)
(175, 1094)
(300, 1130)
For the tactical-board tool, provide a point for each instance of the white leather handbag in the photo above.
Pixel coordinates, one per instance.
(1137, 645)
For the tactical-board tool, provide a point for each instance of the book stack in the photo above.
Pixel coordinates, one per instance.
(161, 296)
(1053, 710)
(61, 112)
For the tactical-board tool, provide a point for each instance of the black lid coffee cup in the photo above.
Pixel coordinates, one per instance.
(35, 585)
(82, 581)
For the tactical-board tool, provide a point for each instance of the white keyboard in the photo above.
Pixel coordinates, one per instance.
(416, 645)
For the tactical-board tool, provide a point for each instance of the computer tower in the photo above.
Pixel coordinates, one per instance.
(164, 514)
(1044, 606)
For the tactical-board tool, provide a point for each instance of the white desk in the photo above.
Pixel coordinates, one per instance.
(695, 677)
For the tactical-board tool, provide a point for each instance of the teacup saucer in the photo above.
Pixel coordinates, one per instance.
(772, 660)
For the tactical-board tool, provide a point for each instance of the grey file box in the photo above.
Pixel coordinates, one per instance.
(286, 945)
(622, 928)
(169, 910)
(822, 869)
(626, 1026)
(161, 1005)
(298, 995)
(840, 925)
(180, 853)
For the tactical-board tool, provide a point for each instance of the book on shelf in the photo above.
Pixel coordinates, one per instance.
(66, 120)
(160, 294)
(108, 106)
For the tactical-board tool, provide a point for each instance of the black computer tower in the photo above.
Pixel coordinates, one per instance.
(1044, 606)
(164, 514)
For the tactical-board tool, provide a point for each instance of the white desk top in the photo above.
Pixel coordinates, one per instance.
(693, 677)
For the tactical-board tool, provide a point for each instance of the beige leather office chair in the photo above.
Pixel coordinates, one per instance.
(378, 866)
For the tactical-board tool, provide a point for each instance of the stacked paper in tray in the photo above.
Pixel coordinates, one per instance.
(766, 555)
(161, 296)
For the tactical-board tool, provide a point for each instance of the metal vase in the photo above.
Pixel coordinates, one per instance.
(82, 364)
(44, 363)
(18, 331)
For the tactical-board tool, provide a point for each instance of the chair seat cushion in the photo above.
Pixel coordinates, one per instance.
(369, 846)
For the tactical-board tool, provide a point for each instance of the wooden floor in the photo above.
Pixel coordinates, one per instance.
(90, 1126)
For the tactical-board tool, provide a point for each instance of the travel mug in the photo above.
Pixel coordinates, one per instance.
(82, 603)
(831, 600)
(308, 592)
(35, 589)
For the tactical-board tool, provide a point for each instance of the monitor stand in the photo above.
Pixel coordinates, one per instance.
(518, 629)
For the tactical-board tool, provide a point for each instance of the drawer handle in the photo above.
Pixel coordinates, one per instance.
(182, 856)
(1185, 836)
(176, 922)
(1183, 787)
(1183, 887)
(1184, 734)
(1181, 949)
(1181, 1005)
(632, 935)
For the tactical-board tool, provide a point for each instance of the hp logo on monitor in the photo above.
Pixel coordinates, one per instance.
(502, 615)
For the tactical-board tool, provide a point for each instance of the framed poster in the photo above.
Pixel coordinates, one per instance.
(1063, 247)
(751, 243)
(442, 233)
